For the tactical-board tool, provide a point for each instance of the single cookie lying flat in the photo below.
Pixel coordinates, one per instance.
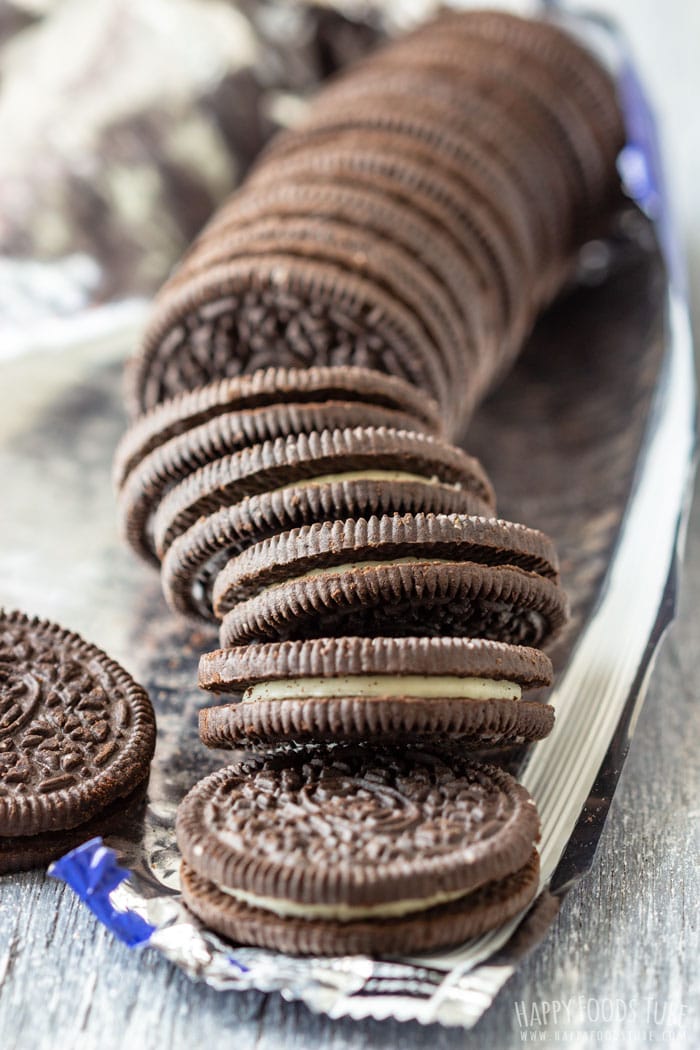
(357, 851)
(77, 735)
(388, 689)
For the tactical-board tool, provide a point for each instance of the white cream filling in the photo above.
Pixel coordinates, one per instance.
(287, 909)
(417, 685)
(368, 475)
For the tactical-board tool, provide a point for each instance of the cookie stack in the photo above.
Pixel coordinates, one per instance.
(290, 467)
(77, 735)
(415, 222)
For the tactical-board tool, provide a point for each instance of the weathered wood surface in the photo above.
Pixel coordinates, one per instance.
(628, 932)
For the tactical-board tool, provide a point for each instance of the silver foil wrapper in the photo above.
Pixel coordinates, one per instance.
(126, 122)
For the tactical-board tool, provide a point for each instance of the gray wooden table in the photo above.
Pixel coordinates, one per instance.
(625, 941)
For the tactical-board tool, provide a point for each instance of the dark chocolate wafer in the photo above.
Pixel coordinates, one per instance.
(395, 720)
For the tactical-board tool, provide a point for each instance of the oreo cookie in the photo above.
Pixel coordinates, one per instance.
(395, 247)
(487, 67)
(384, 238)
(354, 248)
(388, 689)
(481, 181)
(357, 852)
(193, 561)
(577, 69)
(277, 309)
(510, 130)
(124, 816)
(315, 461)
(492, 128)
(77, 735)
(499, 305)
(448, 575)
(172, 463)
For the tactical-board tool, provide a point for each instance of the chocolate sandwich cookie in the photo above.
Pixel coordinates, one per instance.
(579, 71)
(377, 161)
(77, 735)
(486, 181)
(467, 183)
(271, 387)
(124, 816)
(427, 575)
(173, 462)
(491, 127)
(313, 460)
(194, 559)
(388, 689)
(518, 120)
(353, 250)
(493, 72)
(357, 852)
(531, 48)
(452, 121)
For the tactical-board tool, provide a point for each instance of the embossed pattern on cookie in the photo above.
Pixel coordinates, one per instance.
(76, 732)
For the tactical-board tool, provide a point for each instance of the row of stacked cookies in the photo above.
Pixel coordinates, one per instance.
(423, 212)
(386, 259)
(364, 532)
